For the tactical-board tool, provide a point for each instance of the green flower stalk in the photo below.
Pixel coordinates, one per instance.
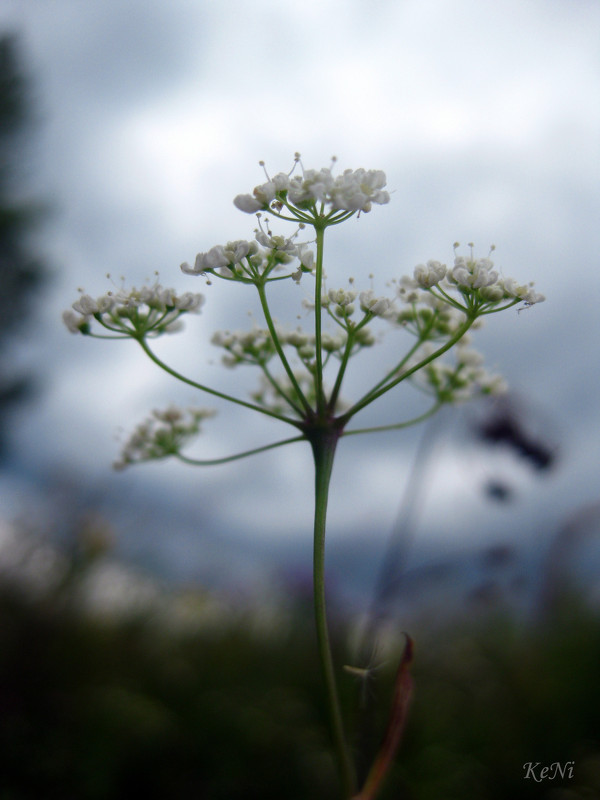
(433, 311)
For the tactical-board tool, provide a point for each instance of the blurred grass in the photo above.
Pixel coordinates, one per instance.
(99, 705)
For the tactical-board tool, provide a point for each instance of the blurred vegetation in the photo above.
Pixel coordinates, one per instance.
(184, 696)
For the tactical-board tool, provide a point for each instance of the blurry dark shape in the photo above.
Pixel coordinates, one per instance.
(508, 424)
(393, 564)
(498, 556)
(497, 490)
(486, 593)
(557, 575)
(519, 584)
(20, 271)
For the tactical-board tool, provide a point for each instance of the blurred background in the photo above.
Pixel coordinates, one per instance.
(126, 129)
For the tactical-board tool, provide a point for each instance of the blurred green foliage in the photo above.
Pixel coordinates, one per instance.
(102, 705)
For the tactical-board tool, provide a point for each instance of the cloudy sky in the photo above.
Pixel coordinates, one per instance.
(154, 115)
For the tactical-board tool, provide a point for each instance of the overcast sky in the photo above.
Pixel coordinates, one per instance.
(154, 115)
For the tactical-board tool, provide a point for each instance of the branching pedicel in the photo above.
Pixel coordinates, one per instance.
(437, 307)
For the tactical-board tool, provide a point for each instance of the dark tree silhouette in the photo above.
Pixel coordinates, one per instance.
(20, 270)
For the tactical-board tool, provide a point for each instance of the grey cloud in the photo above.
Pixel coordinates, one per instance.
(531, 191)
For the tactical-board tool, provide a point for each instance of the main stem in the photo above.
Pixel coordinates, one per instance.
(320, 232)
(324, 442)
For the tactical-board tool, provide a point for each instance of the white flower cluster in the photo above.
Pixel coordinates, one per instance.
(425, 314)
(257, 347)
(353, 190)
(470, 274)
(245, 347)
(341, 303)
(221, 257)
(151, 309)
(305, 343)
(459, 381)
(162, 434)
(272, 398)
(245, 259)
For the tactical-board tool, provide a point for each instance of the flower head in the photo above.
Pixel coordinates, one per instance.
(255, 346)
(455, 381)
(480, 285)
(352, 191)
(150, 310)
(248, 261)
(163, 434)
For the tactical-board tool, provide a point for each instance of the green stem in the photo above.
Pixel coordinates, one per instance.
(320, 231)
(290, 373)
(153, 357)
(323, 444)
(211, 462)
(341, 372)
(398, 425)
(278, 390)
(373, 395)
(365, 400)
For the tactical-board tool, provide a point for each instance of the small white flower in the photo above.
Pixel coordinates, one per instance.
(524, 292)
(483, 275)
(462, 276)
(170, 414)
(531, 297)
(306, 256)
(189, 302)
(493, 293)
(247, 203)
(430, 274)
(105, 302)
(86, 305)
(310, 187)
(378, 306)
(238, 250)
(296, 338)
(265, 193)
(332, 342)
(73, 322)
(471, 273)
(409, 290)
(281, 181)
(216, 257)
(469, 357)
(341, 296)
(356, 190)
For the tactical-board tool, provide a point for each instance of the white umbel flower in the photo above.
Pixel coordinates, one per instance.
(150, 310)
(163, 434)
(352, 191)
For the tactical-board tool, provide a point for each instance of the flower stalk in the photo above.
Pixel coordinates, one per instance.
(324, 443)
